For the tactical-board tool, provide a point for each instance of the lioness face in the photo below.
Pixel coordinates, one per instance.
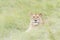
(36, 19)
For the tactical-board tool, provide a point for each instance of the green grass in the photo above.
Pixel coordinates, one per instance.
(15, 18)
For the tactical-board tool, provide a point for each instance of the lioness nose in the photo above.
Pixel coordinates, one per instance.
(35, 20)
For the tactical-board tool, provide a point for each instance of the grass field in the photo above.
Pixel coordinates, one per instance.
(15, 18)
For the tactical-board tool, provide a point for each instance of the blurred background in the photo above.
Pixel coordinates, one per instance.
(15, 18)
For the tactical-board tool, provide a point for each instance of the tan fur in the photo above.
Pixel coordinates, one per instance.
(36, 19)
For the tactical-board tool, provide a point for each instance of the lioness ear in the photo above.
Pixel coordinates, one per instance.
(40, 14)
(31, 14)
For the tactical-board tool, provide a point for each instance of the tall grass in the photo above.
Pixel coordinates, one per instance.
(15, 18)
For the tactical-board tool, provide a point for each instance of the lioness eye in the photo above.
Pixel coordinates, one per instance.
(33, 16)
(37, 17)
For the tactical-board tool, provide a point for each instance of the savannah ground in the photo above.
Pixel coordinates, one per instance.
(15, 18)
